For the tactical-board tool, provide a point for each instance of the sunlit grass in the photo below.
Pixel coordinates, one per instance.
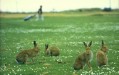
(68, 33)
(60, 14)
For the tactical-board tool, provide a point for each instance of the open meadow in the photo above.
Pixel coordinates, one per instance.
(67, 31)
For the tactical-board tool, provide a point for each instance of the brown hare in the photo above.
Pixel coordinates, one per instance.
(51, 51)
(30, 53)
(101, 55)
(84, 58)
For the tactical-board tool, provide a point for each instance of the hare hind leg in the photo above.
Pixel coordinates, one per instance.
(89, 65)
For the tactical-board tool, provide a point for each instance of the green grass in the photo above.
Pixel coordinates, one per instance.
(68, 33)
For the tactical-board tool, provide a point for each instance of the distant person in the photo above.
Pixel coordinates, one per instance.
(40, 14)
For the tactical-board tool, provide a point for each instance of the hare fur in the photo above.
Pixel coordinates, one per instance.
(51, 51)
(84, 58)
(25, 54)
(101, 55)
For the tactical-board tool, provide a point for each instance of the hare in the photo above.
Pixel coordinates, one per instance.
(30, 53)
(51, 51)
(101, 55)
(84, 58)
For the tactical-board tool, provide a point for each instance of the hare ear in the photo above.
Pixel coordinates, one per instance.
(46, 45)
(85, 44)
(90, 44)
(102, 43)
(34, 42)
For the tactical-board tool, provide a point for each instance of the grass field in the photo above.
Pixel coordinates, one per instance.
(68, 32)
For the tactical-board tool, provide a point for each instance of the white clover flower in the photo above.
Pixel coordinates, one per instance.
(118, 72)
